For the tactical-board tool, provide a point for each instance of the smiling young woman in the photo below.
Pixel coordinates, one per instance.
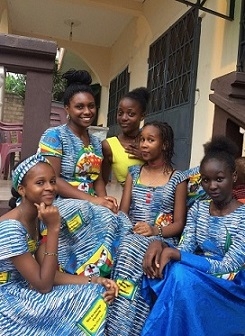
(75, 154)
(122, 151)
(31, 283)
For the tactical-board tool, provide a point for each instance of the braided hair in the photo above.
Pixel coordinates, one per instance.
(167, 136)
(77, 81)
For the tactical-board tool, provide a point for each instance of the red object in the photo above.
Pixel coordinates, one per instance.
(10, 143)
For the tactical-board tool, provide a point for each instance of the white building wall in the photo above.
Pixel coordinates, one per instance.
(217, 56)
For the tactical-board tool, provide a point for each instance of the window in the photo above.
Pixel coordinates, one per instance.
(171, 63)
(119, 86)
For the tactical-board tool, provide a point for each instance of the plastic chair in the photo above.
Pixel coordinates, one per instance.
(7, 124)
(10, 144)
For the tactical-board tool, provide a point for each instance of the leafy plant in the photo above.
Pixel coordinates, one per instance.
(15, 83)
(59, 84)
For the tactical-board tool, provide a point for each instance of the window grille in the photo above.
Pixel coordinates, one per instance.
(119, 86)
(171, 63)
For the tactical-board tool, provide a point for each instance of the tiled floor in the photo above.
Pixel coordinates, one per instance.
(5, 187)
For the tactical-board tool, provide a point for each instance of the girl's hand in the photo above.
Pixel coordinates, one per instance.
(168, 253)
(143, 229)
(111, 288)
(134, 152)
(152, 259)
(49, 215)
(108, 202)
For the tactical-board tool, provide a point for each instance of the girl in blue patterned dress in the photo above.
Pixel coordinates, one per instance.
(154, 196)
(75, 154)
(202, 289)
(89, 229)
(35, 298)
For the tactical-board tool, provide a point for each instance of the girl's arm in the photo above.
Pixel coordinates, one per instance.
(99, 186)
(179, 215)
(41, 276)
(107, 161)
(232, 261)
(66, 190)
(62, 278)
(100, 190)
(126, 196)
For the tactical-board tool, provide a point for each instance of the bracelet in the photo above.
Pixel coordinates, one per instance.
(160, 230)
(90, 278)
(51, 254)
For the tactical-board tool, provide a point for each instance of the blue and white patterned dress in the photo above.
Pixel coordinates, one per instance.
(80, 165)
(128, 312)
(204, 293)
(66, 310)
(89, 237)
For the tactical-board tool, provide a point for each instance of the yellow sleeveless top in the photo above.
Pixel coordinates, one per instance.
(120, 160)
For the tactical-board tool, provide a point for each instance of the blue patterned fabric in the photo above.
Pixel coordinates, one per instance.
(89, 237)
(80, 165)
(149, 203)
(203, 294)
(26, 312)
(195, 190)
(19, 172)
(129, 311)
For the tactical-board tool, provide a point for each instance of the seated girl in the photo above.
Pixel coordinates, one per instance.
(36, 298)
(154, 196)
(198, 287)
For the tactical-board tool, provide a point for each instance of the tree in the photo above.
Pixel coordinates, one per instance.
(59, 84)
(15, 83)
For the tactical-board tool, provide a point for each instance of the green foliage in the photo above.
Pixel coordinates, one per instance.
(15, 83)
(59, 85)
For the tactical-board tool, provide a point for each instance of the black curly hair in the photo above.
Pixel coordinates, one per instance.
(223, 149)
(141, 95)
(77, 81)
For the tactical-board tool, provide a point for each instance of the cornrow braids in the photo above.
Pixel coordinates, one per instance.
(167, 136)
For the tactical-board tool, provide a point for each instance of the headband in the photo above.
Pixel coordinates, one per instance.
(20, 171)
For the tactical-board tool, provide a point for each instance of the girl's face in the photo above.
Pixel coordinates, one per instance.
(39, 184)
(81, 109)
(129, 115)
(151, 144)
(217, 180)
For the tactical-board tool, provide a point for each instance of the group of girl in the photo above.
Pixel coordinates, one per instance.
(101, 269)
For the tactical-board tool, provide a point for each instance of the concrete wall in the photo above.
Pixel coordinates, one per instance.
(13, 109)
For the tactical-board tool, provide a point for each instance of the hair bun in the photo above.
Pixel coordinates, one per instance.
(141, 92)
(77, 76)
(221, 144)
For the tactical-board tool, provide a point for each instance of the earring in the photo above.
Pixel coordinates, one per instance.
(68, 117)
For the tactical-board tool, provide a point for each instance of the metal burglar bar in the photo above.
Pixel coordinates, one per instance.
(119, 86)
(173, 60)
